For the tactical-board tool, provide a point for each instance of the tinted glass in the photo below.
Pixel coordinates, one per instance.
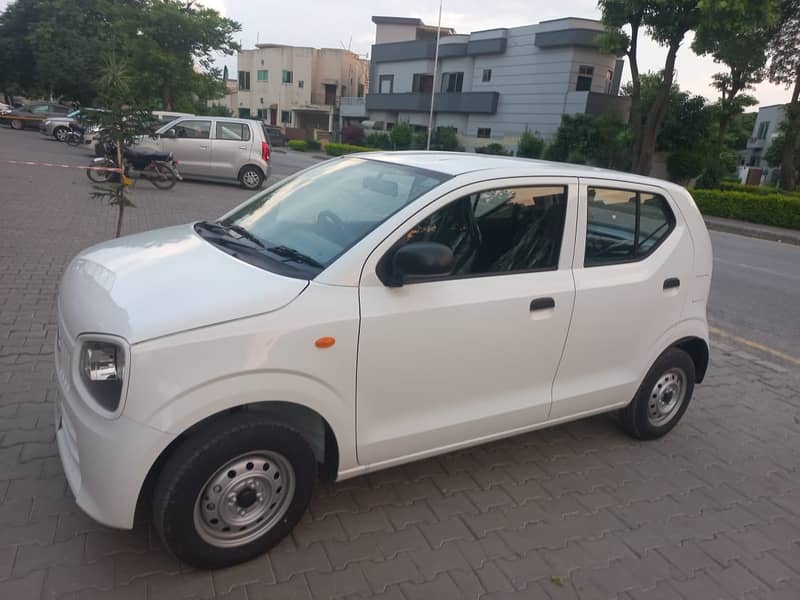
(499, 231)
(233, 131)
(655, 222)
(610, 226)
(39, 108)
(193, 130)
(327, 209)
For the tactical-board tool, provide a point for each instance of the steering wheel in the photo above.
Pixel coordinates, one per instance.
(333, 223)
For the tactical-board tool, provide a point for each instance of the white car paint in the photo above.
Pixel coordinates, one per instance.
(204, 332)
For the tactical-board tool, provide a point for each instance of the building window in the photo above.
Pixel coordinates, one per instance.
(263, 75)
(452, 82)
(244, 80)
(487, 75)
(484, 132)
(763, 128)
(360, 90)
(422, 83)
(287, 77)
(609, 80)
(244, 113)
(301, 84)
(286, 117)
(262, 113)
(386, 84)
(585, 75)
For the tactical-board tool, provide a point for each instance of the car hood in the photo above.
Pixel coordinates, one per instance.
(163, 282)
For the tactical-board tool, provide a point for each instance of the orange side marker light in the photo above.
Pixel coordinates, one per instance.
(325, 342)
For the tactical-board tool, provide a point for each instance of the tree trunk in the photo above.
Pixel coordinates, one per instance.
(788, 162)
(166, 96)
(120, 212)
(121, 205)
(656, 114)
(724, 121)
(635, 117)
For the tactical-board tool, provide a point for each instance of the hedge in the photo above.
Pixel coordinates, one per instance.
(299, 145)
(333, 149)
(760, 190)
(779, 210)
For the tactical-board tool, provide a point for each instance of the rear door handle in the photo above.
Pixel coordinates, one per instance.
(671, 283)
(203, 147)
(542, 304)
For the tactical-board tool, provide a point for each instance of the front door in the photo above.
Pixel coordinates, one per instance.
(633, 263)
(455, 359)
(190, 142)
(230, 148)
(273, 116)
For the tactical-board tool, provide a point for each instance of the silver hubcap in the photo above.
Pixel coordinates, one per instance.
(244, 499)
(251, 178)
(666, 397)
(61, 134)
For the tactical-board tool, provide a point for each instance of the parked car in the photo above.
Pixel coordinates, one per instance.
(58, 127)
(4, 108)
(217, 148)
(276, 135)
(479, 297)
(31, 115)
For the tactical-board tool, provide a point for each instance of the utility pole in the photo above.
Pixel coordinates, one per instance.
(435, 68)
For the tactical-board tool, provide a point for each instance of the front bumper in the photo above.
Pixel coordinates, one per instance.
(105, 460)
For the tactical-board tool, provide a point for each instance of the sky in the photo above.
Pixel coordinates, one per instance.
(348, 24)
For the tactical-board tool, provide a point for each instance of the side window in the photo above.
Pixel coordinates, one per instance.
(624, 225)
(196, 130)
(238, 132)
(499, 231)
(39, 109)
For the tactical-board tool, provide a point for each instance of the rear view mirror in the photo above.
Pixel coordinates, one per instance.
(419, 260)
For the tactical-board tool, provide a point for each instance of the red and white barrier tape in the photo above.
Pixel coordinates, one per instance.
(30, 163)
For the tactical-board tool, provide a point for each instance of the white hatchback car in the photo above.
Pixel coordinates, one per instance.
(371, 310)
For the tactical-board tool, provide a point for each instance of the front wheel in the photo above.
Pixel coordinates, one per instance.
(232, 491)
(161, 175)
(251, 178)
(61, 133)
(99, 176)
(73, 139)
(17, 124)
(662, 398)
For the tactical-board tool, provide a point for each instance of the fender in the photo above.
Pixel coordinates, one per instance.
(688, 328)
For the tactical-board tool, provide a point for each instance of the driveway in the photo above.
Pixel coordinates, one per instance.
(578, 511)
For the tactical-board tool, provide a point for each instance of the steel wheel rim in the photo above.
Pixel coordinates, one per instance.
(244, 499)
(251, 179)
(666, 397)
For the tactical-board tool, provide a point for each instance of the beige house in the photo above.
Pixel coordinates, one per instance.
(296, 86)
(230, 99)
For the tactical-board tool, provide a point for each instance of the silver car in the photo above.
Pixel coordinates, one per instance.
(217, 148)
(58, 127)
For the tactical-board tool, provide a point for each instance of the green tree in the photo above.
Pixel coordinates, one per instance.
(598, 140)
(784, 69)
(530, 145)
(401, 136)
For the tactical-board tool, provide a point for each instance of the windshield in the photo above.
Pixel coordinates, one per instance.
(312, 219)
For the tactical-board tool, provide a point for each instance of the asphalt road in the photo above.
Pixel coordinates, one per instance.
(756, 284)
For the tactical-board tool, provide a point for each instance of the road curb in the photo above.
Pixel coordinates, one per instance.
(748, 231)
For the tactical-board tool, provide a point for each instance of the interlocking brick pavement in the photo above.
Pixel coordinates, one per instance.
(579, 511)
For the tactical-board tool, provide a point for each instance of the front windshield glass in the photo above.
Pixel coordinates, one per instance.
(321, 213)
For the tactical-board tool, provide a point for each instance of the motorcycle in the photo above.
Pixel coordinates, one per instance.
(75, 135)
(159, 168)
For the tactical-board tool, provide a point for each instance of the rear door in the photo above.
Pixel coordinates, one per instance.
(633, 263)
(191, 145)
(230, 148)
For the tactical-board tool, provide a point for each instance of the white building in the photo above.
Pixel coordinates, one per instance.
(492, 85)
(755, 169)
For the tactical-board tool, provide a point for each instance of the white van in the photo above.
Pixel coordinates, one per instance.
(369, 311)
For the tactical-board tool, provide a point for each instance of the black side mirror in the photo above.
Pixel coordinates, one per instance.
(419, 260)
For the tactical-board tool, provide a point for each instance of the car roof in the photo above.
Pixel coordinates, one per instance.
(459, 163)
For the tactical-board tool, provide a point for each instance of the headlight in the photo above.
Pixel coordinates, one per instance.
(102, 368)
(47, 122)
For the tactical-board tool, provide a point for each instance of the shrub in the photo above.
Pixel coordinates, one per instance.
(779, 210)
(401, 136)
(333, 149)
(378, 140)
(353, 134)
(530, 145)
(493, 148)
(445, 138)
(760, 190)
(299, 145)
(313, 145)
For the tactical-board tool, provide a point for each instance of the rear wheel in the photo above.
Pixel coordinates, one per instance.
(251, 178)
(232, 491)
(60, 133)
(17, 124)
(73, 139)
(662, 398)
(99, 176)
(161, 175)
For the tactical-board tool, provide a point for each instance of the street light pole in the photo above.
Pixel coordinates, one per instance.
(435, 67)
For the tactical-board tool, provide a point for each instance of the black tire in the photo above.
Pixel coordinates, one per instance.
(161, 175)
(647, 417)
(186, 475)
(251, 178)
(73, 139)
(101, 176)
(60, 133)
(17, 124)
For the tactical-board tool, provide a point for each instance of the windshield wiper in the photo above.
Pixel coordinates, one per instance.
(295, 255)
(240, 231)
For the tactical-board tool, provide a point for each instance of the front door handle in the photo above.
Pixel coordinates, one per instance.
(542, 304)
(203, 147)
(672, 283)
